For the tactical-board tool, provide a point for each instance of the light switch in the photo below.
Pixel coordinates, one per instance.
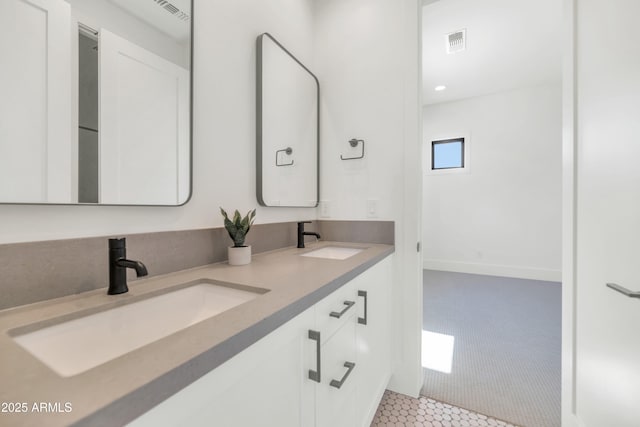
(325, 209)
(372, 208)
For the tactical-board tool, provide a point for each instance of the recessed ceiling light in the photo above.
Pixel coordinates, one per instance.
(440, 88)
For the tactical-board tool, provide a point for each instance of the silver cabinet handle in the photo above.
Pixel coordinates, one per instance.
(338, 384)
(315, 375)
(623, 290)
(363, 320)
(337, 315)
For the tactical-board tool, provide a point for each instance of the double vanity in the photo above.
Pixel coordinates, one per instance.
(299, 337)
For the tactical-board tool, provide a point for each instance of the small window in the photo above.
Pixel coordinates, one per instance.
(447, 154)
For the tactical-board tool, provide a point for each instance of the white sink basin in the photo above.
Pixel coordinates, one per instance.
(334, 252)
(78, 345)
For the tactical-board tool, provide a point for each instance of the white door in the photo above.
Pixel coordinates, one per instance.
(35, 101)
(144, 125)
(607, 351)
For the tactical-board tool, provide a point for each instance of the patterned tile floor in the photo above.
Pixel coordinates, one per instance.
(398, 410)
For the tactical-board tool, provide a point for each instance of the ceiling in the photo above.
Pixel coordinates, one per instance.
(155, 12)
(510, 44)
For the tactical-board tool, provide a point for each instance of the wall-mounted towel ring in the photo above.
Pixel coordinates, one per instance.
(354, 143)
(288, 152)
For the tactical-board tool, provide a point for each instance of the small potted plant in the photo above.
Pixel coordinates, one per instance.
(238, 227)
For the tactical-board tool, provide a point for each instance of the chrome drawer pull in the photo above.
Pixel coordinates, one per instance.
(623, 290)
(363, 320)
(338, 384)
(337, 315)
(315, 375)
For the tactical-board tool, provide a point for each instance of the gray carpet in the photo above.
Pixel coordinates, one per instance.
(506, 358)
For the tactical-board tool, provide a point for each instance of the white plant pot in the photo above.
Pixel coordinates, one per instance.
(240, 255)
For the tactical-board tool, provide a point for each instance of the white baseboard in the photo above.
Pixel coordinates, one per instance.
(494, 270)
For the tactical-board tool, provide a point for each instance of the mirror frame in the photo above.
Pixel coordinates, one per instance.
(191, 50)
(259, 151)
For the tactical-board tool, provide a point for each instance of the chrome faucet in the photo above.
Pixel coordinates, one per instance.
(302, 233)
(118, 264)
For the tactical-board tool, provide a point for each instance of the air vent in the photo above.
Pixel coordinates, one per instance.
(172, 9)
(456, 41)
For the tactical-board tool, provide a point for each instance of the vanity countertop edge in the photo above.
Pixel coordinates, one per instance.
(122, 389)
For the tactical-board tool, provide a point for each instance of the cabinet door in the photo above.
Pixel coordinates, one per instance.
(336, 392)
(265, 385)
(373, 338)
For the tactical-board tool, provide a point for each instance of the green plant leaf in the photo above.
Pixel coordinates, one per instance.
(251, 216)
(244, 224)
(238, 227)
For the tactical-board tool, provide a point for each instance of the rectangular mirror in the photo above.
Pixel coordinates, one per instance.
(287, 160)
(96, 101)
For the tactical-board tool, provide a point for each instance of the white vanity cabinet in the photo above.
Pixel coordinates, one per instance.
(356, 351)
(274, 382)
(264, 385)
(336, 387)
(336, 392)
(373, 339)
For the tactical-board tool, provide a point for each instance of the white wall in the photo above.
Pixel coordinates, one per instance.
(360, 70)
(367, 61)
(502, 217)
(223, 135)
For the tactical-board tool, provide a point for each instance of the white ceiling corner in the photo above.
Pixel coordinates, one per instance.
(510, 44)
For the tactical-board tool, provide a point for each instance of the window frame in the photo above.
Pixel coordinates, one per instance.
(448, 141)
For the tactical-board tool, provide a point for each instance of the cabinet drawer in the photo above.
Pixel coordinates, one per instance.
(336, 310)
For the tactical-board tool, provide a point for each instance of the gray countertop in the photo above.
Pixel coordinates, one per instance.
(120, 390)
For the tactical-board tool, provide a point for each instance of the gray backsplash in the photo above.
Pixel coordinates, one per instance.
(38, 271)
(357, 231)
